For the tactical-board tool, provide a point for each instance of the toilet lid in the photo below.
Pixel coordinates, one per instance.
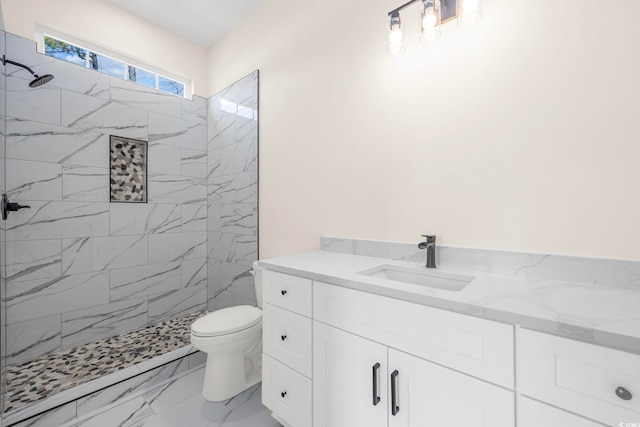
(227, 320)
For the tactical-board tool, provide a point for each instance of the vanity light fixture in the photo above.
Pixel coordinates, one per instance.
(433, 13)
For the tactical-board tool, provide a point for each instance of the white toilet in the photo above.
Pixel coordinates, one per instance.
(232, 339)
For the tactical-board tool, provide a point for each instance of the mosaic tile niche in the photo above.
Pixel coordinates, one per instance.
(128, 170)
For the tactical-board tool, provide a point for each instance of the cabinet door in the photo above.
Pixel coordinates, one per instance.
(429, 395)
(349, 372)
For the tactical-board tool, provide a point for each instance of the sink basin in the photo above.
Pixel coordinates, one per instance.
(421, 277)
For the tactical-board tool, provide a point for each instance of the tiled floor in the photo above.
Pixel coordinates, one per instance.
(35, 380)
(179, 403)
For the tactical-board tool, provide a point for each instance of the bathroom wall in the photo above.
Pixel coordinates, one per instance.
(78, 267)
(518, 134)
(104, 24)
(233, 193)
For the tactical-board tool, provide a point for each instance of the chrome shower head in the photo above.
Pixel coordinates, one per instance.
(38, 81)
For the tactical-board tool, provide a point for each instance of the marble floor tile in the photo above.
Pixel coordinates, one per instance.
(189, 408)
(174, 392)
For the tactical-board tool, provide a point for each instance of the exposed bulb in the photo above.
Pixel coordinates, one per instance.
(430, 20)
(395, 36)
(469, 5)
(469, 12)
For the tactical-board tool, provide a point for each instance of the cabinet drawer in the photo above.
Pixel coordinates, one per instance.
(286, 392)
(287, 338)
(474, 346)
(535, 414)
(580, 377)
(290, 292)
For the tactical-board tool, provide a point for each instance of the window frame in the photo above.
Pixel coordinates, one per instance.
(42, 31)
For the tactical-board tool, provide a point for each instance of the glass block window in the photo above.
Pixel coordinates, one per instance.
(114, 67)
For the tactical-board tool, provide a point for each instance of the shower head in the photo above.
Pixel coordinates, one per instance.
(38, 81)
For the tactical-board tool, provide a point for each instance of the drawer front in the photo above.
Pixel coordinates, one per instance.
(286, 337)
(580, 377)
(286, 392)
(474, 346)
(289, 292)
(535, 414)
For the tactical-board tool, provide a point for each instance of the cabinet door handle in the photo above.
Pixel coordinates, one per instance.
(394, 393)
(283, 394)
(283, 292)
(283, 337)
(623, 393)
(376, 385)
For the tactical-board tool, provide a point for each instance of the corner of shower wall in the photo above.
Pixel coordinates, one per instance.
(232, 185)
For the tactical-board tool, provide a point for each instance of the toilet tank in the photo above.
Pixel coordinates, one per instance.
(257, 281)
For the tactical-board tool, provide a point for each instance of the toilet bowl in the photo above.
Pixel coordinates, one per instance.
(232, 339)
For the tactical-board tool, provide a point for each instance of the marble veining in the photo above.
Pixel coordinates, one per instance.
(35, 380)
(595, 271)
(31, 140)
(78, 267)
(598, 314)
(232, 193)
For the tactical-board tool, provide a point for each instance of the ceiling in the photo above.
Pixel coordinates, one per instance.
(200, 21)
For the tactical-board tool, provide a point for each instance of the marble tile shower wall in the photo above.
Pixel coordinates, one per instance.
(78, 267)
(233, 193)
(3, 335)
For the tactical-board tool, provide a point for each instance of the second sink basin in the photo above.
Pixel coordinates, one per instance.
(414, 276)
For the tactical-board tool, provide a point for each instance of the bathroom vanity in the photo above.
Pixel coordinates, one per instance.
(346, 346)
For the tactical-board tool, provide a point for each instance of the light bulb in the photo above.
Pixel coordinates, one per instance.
(430, 20)
(395, 36)
(469, 12)
(469, 5)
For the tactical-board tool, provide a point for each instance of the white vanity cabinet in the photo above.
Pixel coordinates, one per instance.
(594, 381)
(360, 382)
(286, 344)
(350, 379)
(339, 357)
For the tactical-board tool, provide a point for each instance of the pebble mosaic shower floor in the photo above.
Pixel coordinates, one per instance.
(40, 378)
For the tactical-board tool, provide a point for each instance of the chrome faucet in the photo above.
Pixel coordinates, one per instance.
(430, 246)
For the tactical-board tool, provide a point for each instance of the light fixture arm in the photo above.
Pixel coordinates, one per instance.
(396, 11)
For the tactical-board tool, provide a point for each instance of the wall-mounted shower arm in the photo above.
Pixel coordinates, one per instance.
(6, 61)
(38, 81)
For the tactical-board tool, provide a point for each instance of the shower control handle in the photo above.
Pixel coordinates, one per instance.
(8, 206)
(15, 207)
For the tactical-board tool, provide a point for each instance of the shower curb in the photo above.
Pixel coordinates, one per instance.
(86, 389)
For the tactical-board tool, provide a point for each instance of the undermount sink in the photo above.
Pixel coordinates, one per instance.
(415, 276)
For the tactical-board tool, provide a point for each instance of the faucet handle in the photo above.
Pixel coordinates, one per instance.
(430, 237)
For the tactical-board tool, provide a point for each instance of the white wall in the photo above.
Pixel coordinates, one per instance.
(518, 134)
(103, 24)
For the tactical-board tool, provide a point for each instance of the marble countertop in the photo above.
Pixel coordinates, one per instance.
(596, 314)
